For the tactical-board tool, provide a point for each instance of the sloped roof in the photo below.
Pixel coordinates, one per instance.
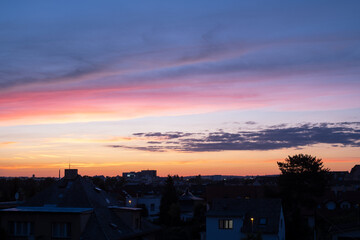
(188, 196)
(270, 209)
(238, 191)
(82, 193)
(48, 209)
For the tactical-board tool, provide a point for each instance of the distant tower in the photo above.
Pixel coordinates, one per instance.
(59, 174)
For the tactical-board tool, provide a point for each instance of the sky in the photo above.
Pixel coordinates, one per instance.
(183, 87)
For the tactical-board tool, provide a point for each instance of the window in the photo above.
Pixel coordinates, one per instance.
(21, 228)
(61, 230)
(331, 205)
(263, 221)
(152, 207)
(225, 224)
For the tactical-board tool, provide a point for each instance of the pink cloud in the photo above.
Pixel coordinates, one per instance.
(196, 95)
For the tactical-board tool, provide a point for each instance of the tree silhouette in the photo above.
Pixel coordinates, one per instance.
(303, 176)
(302, 181)
(169, 208)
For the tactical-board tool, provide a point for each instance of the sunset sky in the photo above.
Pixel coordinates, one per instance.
(183, 87)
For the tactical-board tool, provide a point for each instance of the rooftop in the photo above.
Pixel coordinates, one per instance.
(269, 209)
(48, 209)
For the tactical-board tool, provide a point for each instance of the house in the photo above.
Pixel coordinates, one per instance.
(355, 173)
(236, 218)
(338, 215)
(345, 232)
(188, 202)
(149, 202)
(74, 208)
(147, 175)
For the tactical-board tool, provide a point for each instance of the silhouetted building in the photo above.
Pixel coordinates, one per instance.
(355, 173)
(151, 203)
(129, 175)
(73, 208)
(143, 174)
(338, 216)
(235, 218)
(188, 203)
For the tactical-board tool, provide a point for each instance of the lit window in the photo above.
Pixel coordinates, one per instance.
(21, 228)
(61, 230)
(226, 224)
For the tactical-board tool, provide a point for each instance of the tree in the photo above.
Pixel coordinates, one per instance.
(302, 163)
(169, 210)
(303, 175)
(303, 179)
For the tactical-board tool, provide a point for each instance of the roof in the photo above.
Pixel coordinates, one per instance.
(188, 196)
(80, 195)
(238, 191)
(125, 208)
(11, 204)
(52, 209)
(270, 209)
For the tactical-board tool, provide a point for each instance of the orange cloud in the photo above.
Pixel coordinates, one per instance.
(3, 144)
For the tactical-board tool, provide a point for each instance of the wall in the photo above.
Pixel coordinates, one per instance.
(129, 217)
(281, 233)
(147, 200)
(214, 233)
(42, 222)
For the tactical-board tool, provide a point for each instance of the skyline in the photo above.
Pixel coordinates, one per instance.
(186, 88)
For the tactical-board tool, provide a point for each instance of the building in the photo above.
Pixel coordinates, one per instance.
(236, 218)
(149, 202)
(74, 208)
(142, 175)
(129, 175)
(338, 216)
(188, 202)
(355, 173)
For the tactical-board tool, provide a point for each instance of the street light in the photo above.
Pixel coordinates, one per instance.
(252, 224)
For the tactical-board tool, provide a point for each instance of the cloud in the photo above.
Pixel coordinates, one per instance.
(147, 148)
(269, 138)
(47, 42)
(167, 135)
(154, 56)
(3, 144)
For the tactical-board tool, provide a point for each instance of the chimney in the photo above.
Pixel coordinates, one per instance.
(71, 174)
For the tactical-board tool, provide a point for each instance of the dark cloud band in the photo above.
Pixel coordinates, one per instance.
(270, 138)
